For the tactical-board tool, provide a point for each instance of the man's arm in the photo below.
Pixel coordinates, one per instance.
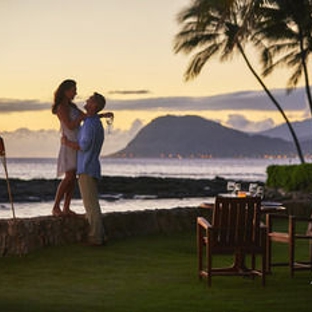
(86, 135)
(71, 144)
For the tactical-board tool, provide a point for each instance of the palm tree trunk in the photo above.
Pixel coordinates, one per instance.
(305, 71)
(306, 75)
(270, 95)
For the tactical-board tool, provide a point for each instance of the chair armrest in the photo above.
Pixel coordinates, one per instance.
(203, 223)
(292, 231)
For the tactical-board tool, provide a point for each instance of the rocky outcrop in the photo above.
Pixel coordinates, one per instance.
(38, 190)
(21, 236)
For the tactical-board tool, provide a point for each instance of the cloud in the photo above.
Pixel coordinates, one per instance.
(26, 143)
(45, 143)
(117, 139)
(240, 122)
(129, 92)
(11, 105)
(246, 100)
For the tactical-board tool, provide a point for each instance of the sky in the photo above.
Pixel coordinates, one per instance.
(123, 49)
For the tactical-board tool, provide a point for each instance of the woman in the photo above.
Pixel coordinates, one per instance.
(70, 117)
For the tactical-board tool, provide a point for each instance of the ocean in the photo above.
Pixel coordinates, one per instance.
(230, 169)
(233, 169)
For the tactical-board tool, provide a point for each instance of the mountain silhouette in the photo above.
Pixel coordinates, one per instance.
(194, 136)
(303, 130)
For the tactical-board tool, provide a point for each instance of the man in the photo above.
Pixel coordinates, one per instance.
(89, 145)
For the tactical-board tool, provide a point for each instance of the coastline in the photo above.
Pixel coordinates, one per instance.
(114, 187)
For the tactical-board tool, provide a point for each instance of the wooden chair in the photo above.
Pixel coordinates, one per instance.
(235, 230)
(292, 237)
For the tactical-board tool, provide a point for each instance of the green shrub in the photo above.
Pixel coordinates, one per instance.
(290, 177)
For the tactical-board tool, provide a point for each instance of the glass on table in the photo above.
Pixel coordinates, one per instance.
(230, 186)
(253, 188)
(233, 187)
(237, 188)
(260, 191)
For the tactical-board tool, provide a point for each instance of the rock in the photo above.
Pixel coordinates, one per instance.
(21, 236)
(37, 190)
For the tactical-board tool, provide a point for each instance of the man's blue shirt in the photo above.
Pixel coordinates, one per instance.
(90, 140)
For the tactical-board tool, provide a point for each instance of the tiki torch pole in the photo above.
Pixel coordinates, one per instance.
(3, 159)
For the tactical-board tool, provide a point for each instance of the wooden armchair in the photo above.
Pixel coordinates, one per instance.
(290, 237)
(235, 230)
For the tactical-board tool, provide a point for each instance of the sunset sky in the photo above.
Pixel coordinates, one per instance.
(122, 49)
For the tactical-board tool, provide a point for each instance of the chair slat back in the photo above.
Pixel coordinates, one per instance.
(236, 221)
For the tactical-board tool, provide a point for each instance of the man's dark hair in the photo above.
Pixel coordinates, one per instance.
(100, 100)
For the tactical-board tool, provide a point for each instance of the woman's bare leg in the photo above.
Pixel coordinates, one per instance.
(65, 189)
(69, 194)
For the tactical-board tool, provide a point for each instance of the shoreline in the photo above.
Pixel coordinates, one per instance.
(114, 187)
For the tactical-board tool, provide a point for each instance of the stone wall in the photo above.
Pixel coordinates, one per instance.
(21, 236)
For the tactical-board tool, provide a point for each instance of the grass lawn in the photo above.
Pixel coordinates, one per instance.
(153, 273)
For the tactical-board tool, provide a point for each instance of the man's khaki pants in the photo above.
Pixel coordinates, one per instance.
(89, 192)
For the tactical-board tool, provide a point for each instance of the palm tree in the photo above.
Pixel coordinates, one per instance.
(220, 28)
(287, 26)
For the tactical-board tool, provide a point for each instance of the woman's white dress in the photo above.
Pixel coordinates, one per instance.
(67, 158)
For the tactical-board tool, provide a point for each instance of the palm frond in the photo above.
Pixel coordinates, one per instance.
(289, 59)
(188, 41)
(294, 78)
(266, 59)
(199, 60)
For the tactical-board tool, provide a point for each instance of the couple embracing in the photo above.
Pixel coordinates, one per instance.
(81, 144)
